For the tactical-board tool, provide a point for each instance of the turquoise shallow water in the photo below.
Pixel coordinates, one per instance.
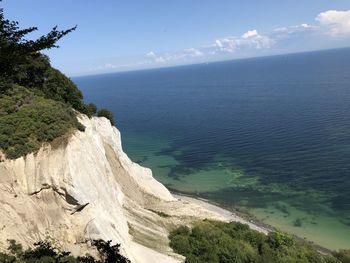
(304, 213)
(268, 136)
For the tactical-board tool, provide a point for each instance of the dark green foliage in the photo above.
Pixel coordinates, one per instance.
(15, 248)
(4, 258)
(44, 252)
(108, 253)
(278, 239)
(32, 73)
(58, 87)
(107, 114)
(91, 109)
(36, 100)
(211, 242)
(16, 51)
(343, 255)
(26, 121)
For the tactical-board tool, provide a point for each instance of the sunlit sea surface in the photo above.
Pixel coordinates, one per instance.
(267, 136)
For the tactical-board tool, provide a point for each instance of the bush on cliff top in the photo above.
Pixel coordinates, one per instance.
(27, 120)
(107, 114)
(220, 242)
(36, 100)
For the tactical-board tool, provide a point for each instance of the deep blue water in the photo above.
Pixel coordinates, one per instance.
(282, 121)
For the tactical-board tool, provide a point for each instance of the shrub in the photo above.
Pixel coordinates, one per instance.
(91, 109)
(4, 258)
(343, 255)
(60, 88)
(44, 252)
(109, 253)
(107, 114)
(36, 100)
(26, 121)
(278, 239)
(211, 241)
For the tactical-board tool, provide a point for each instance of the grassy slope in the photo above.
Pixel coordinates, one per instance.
(28, 120)
(214, 242)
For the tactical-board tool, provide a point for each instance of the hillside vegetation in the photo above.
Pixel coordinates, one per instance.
(37, 102)
(220, 242)
(45, 252)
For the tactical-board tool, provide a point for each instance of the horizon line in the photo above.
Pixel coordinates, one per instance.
(205, 63)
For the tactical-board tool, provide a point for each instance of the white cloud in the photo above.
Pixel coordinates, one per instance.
(194, 52)
(175, 56)
(249, 40)
(225, 45)
(151, 54)
(294, 32)
(106, 66)
(332, 22)
(337, 22)
(155, 57)
(250, 34)
(330, 29)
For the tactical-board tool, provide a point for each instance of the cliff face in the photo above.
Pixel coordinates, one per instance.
(75, 190)
(85, 187)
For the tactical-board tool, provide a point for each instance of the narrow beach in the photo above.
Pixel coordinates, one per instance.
(228, 215)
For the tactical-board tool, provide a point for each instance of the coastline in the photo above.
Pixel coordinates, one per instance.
(234, 216)
(229, 215)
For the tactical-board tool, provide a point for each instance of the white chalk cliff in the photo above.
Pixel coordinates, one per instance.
(85, 187)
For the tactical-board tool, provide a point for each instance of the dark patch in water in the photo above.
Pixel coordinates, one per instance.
(143, 160)
(298, 222)
(282, 208)
(284, 119)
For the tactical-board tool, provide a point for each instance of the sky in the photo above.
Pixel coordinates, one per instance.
(121, 35)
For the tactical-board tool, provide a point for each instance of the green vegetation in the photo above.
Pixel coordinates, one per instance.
(44, 252)
(343, 255)
(107, 114)
(37, 102)
(211, 242)
(27, 120)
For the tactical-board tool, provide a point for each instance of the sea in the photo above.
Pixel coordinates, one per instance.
(268, 137)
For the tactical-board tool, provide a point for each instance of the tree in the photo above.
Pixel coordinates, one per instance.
(91, 109)
(221, 242)
(16, 51)
(36, 100)
(60, 88)
(109, 253)
(22, 63)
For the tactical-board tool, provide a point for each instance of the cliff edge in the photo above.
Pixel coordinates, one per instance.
(82, 187)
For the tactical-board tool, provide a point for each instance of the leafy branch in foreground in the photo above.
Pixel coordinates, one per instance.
(45, 252)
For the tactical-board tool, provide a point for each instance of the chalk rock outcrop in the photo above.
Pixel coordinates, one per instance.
(84, 187)
(75, 189)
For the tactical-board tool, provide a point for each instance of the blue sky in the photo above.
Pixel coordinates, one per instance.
(123, 35)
